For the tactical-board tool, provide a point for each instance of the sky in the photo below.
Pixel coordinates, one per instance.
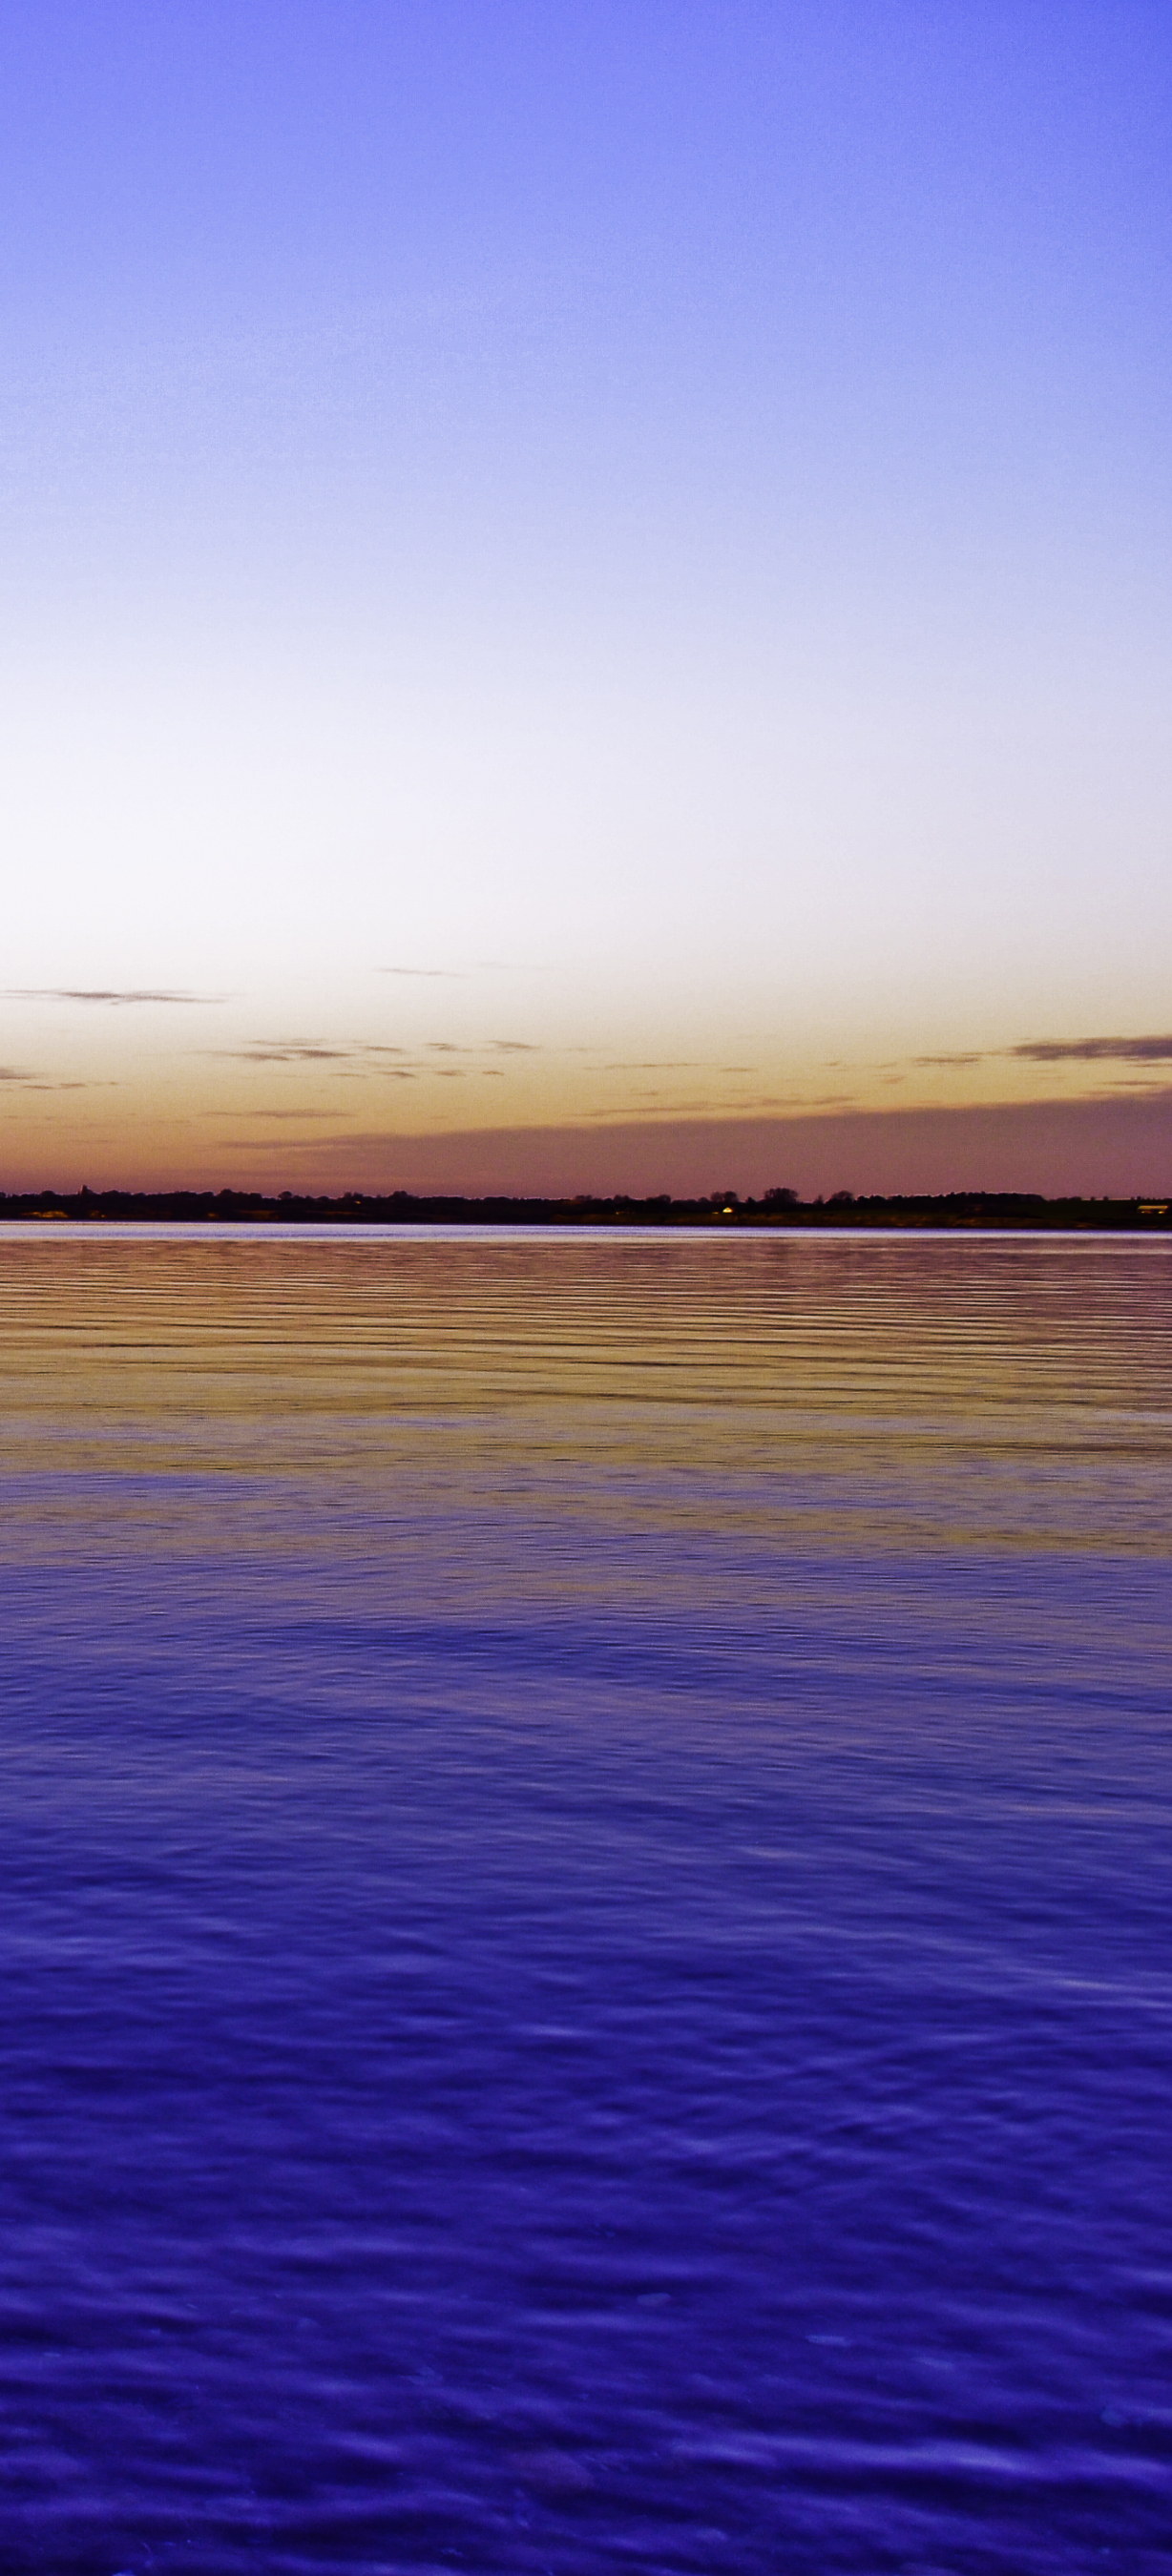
(584, 593)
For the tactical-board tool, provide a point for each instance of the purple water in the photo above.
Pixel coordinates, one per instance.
(585, 1903)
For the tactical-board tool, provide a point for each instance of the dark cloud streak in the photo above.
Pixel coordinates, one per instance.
(277, 1053)
(71, 993)
(1150, 1050)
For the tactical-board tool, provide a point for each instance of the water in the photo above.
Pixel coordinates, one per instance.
(585, 1904)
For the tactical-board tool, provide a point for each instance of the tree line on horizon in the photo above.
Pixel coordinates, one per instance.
(777, 1206)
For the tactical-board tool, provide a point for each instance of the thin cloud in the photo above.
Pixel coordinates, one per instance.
(269, 1144)
(799, 1101)
(365, 1057)
(279, 1052)
(386, 1138)
(649, 1104)
(650, 1107)
(72, 993)
(1151, 1050)
(959, 1059)
(13, 1073)
(514, 1046)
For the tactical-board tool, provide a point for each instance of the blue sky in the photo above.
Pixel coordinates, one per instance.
(573, 565)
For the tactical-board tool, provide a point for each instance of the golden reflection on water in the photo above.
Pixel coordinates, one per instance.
(788, 1392)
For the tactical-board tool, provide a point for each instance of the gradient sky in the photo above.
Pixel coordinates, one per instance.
(576, 566)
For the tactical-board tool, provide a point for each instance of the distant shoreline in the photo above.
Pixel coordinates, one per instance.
(1013, 1211)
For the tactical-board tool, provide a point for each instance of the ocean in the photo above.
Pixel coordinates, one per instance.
(585, 1902)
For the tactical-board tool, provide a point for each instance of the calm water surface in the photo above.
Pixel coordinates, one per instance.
(585, 1903)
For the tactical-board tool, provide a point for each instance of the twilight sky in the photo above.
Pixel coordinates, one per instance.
(594, 570)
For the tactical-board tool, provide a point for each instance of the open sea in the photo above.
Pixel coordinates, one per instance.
(585, 1895)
